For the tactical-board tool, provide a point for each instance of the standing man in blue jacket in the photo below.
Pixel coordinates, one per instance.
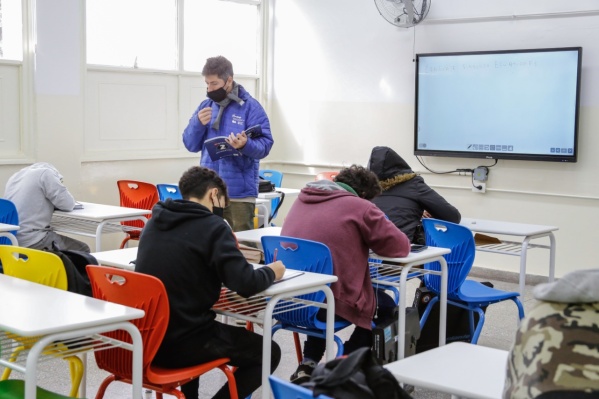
(229, 111)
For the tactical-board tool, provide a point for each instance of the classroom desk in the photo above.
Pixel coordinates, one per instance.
(403, 267)
(527, 231)
(48, 315)
(255, 235)
(96, 219)
(460, 369)
(120, 258)
(6, 231)
(289, 192)
(260, 308)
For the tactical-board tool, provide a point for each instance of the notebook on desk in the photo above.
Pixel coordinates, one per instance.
(289, 273)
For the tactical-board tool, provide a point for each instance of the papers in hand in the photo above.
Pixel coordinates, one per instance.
(218, 148)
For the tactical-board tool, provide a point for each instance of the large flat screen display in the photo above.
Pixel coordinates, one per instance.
(515, 104)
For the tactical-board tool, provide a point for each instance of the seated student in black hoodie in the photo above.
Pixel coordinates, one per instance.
(189, 246)
(406, 198)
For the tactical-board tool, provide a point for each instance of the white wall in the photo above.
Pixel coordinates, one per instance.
(344, 83)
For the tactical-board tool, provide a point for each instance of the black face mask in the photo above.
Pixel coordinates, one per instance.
(217, 95)
(218, 211)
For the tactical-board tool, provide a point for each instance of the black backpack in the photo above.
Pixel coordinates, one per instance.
(75, 263)
(357, 376)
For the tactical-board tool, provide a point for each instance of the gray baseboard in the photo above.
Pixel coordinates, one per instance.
(508, 277)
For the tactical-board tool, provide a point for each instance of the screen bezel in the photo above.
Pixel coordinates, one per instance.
(500, 155)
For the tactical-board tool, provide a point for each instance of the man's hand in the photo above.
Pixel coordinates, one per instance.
(238, 140)
(426, 215)
(279, 268)
(204, 115)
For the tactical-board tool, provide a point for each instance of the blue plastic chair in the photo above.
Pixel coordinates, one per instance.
(282, 389)
(276, 178)
(304, 255)
(8, 215)
(168, 191)
(467, 294)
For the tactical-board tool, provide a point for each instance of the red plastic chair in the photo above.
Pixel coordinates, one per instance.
(326, 176)
(140, 195)
(145, 292)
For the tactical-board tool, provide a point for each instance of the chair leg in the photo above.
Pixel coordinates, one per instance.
(479, 326)
(124, 242)
(76, 369)
(13, 358)
(298, 348)
(104, 385)
(427, 311)
(230, 380)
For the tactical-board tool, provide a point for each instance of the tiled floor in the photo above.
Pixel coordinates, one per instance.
(498, 332)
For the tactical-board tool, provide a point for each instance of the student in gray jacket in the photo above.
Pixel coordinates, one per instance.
(37, 191)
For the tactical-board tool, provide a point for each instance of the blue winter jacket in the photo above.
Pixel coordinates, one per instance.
(239, 173)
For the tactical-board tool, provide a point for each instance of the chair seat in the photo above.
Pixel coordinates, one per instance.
(15, 389)
(164, 376)
(473, 291)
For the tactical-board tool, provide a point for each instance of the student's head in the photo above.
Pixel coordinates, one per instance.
(218, 74)
(363, 181)
(197, 181)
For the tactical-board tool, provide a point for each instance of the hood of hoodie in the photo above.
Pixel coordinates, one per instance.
(386, 163)
(170, 213)
(45, 166)
(322, 190)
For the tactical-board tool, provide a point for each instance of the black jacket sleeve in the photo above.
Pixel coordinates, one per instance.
(234, 270)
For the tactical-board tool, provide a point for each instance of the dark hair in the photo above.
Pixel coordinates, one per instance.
(363, 181)
(197, 180)
(219, 66)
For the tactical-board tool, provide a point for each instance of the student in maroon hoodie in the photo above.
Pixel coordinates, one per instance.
(340, 215)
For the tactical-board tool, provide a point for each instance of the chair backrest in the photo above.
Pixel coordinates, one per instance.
(168, 191)
(459, 239)
(8, 215)
(273, 176)
(282, 389)
(34, 265)
(137, 194)
(304, 255)
(326, 176)
(136, 290)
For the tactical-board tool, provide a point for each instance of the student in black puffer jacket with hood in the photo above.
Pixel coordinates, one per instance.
(406, 198)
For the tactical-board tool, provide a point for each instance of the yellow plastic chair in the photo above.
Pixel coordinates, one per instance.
(43, 268)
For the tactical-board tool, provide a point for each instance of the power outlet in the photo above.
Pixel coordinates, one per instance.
(483, 187)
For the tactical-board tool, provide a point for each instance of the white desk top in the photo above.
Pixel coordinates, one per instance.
(4, 228)
(289, 192)
(34, 309)
(120, 258)
(255, 235)
(100, 212)
(506, 228)
(459, 368)
(429, 252)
